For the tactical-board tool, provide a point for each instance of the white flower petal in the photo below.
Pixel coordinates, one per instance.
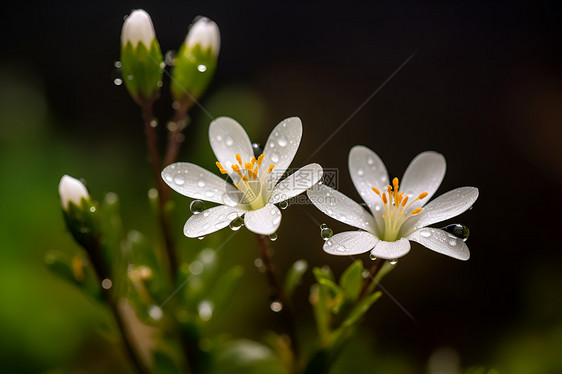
(296, 183)
(367, 170)
(340, 207)
(442, 242)
(228, 138)
(446, 206)
(193, 181)
(350, 243)
(391, 250)
(210, 220)
(71, 189)
(424, 174)
(138, 28)
(281, 148)
(264, 221)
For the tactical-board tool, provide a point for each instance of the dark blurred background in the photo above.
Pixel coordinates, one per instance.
(484, 88)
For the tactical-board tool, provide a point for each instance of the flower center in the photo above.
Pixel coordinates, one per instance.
(250, 183)
(396, 206)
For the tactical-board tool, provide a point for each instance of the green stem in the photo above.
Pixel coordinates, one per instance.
(377, 266)
(277, 294)
(175, 136)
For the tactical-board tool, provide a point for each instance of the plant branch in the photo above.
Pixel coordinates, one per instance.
(175, 136)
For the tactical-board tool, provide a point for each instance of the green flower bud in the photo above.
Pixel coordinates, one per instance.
(196, 60)
(141, 58)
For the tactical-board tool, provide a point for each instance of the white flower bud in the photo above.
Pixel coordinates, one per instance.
(138, 28)
(71, 190)
(205, 33)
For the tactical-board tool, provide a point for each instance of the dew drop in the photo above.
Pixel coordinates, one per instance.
(118, 81)
(202, 68)
(201, 183)
(179, 180)
(229, 142)
(153, 123)
(458, 230)
(205, 310)
(282, 141)
(206, 214)
(117, 64)
(197, 206)
(393, 262)
(236, 224)
(275, 157)
(452, 242)
(168, 177)
(273, 237)
(425, 234)
(372, 256)
(326, 233)
(283, 205)
(360, 172)
(170, 57)
(92, 209)
(152, 193)
(276, 306)
(323, 226)
(201, 237)
(370, 161)
(257, 148)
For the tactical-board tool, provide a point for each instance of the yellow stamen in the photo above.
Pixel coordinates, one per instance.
(395, 184)
(422, 195)
(270, 168)
(239, 159)
(253, 161)
(260, 159)
(248, 166)
(384, 216)
(221, 169)
(404, 201)
(376, 191)
(416, 211)
(384, 199)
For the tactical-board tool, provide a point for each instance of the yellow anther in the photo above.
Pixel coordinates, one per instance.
(416, 211)
(376, 191)
(423, 195)
(384, 216)
(248, 166)
(270, 168)
(260, 159)
(239, 159)
(255, 172)
(253, 161)
(395, 184)
(235, 167)
(384, 199)
(221, 169)
(237, 186)
(404, 201)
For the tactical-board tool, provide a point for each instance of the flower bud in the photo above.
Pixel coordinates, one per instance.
(141, 58)
(72, 190)
(196, 60)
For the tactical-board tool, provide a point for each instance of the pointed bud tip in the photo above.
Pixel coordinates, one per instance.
(138, 28)
(71, 189)
(205, 33)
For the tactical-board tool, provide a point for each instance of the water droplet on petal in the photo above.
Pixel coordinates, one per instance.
(201, 237)
(273, 237)
(360, 172)
(393, 262)
(197, 206)
(179, 180)
(236, 224)
(370, 161)
(282, 141)
(283, 205)
(323, 226)
(276, 306)
(425, 234)
(201, 183)
(372, 256)
(326, 233)
(229, 142)
(275, 157)
(458, 230)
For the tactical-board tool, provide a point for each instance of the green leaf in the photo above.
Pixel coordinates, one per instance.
(222, 292)
(294, 276)
(76, 270)
(323, 273)
(246, 357)
(352, 280)
(361, 308)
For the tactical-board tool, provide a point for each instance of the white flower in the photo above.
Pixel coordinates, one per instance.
(398, 211)
(138, 28)
(71, 190)
(256, 180)
(205, 33)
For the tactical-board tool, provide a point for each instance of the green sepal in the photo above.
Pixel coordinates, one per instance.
(83, 223)
(141, 68)
(294, 276)
(361, 308)
(352, 280)
(188, 80)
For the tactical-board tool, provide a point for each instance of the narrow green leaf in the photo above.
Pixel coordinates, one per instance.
(352, 279)
(361, 308)
(294, 276)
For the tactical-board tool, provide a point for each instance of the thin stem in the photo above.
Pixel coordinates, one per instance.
(163, 193)
(377, 265)
(277, 294)
(175, 136)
